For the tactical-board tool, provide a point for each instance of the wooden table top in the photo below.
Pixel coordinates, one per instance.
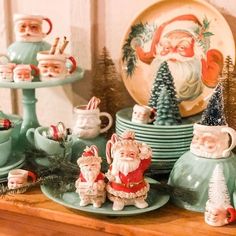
(168, 220)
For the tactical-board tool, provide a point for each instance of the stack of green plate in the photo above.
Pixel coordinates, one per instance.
(168, 143)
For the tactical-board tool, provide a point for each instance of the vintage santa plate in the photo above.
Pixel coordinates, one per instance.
(72, 200)
(198, 20)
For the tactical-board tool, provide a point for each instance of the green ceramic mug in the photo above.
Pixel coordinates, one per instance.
(5, 135)
(51, 147)
(5, 151)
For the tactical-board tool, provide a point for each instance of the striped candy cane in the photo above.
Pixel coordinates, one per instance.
(93, 103)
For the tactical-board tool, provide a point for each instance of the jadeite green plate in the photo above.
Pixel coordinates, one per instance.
(125, 115)
(153, 135)
(158, 139)
(72, 200)
(152, 128)
(171, 149)
(16, 160)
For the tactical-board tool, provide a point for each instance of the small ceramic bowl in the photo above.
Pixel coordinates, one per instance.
(5, 150)
(5, 135)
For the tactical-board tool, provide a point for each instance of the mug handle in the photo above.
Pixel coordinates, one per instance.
(32, 176)
(109, 117)
(35, 69)
(73, 62)
(30, 135)
(50, 25)
(232, 134)
(232, 215)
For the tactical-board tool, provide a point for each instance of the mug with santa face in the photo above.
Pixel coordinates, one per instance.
(53, 66)
(212, 141)
(28, 28)
(6, 72)
(87, 123)
(18, 178)
(142, 114)
(219, 215)
(22, 73)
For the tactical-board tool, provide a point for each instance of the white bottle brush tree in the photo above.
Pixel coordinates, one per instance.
(218, 194)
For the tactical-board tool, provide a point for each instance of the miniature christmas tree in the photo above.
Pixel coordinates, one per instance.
(214, 113)
(229, 92)
(163, 78)
(108, 87)
(218, 194)
(167, 110)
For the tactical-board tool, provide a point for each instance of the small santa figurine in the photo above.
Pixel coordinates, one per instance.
(90, 185)
(127, 185)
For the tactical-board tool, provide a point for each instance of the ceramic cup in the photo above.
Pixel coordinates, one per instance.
(6, 72)
(87, 123)
(5, 151)
(5, 135)
(28, 28)
(22, 73)
(212, 141)
(18, 178)
(51, 147)
(53, 66)
(219, 215)
(142, 114)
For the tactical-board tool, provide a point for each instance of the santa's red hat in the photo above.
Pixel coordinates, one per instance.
(187, 23)
(89, 156)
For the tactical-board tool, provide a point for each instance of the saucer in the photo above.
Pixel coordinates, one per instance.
(16, 160)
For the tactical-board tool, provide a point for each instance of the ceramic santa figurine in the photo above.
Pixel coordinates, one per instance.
(127, 185)
(90, 185)
(219, 211)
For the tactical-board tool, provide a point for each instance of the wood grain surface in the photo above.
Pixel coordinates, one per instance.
(33, 213)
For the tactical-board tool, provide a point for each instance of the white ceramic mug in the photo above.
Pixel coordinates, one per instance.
(212, 141)
(87, 123)
(6, 72)
(18, 178)
(28, 28)
(142, 114)
(219, 215)
(53, 66)
(22, 73)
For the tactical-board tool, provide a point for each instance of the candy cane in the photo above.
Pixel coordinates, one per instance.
(94, 149)
(110, 143)
(93, 103)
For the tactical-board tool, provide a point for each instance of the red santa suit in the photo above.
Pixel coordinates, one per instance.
(99, 177)
(133, 184)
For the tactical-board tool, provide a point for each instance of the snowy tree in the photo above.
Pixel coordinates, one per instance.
(218, 194)
(167, 110)
(214, 113)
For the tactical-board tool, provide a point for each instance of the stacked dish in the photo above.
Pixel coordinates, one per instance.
(168, 143)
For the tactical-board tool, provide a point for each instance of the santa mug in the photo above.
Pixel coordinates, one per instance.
(87, 123)
(219, 215)
(142, 114)
(53, 66)
(212, 141)
(28, 28)
(22, 73)
(6, 72)
(19, 178)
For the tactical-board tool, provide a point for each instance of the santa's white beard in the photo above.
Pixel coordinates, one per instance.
(186, 73)
(90, 175)
(124, 166)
